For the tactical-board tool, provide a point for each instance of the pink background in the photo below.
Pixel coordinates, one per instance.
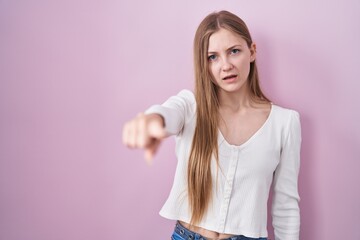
(72, 72)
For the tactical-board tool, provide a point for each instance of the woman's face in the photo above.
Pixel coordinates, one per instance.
(229, 60)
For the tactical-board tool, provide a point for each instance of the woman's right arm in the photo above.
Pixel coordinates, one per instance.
(148, 129)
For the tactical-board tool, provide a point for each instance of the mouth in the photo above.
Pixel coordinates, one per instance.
(230, 77)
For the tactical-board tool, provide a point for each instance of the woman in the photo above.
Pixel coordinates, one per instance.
(232, 143)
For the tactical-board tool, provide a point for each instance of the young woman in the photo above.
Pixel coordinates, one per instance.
(232, 143)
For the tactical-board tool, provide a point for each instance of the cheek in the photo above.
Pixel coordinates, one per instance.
(214, 69)
(244, 66)
(214, 74)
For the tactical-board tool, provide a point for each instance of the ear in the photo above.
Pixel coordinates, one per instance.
(252, 52)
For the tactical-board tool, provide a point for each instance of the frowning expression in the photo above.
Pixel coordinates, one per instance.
(229, 60)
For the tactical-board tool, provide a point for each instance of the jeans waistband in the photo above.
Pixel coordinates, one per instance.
(190, 235)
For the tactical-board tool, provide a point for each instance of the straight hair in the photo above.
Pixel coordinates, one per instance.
(205, 140)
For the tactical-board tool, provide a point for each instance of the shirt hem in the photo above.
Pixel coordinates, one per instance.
(212, 228)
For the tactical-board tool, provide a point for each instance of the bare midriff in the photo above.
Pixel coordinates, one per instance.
(210, 235)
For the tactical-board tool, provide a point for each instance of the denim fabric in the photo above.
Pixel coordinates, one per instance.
(182, 233)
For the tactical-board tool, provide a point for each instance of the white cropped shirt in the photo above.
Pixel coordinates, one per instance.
(245, 174)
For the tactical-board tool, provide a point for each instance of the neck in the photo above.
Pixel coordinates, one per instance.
(235, 101)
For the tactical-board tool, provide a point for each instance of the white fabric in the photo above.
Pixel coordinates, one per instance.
(242, 183)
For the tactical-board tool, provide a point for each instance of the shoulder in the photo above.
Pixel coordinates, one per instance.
(285, 118)
(186, 98)
(284, 114)
(187, 95)
(288, 120)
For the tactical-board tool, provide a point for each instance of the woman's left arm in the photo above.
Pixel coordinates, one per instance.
(285, 207)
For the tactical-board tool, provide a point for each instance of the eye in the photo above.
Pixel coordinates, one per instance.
(235, 51)
(212, 57)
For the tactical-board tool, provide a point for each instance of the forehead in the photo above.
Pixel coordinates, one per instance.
(223, 39)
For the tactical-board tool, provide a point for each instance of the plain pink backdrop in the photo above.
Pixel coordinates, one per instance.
(72, 72)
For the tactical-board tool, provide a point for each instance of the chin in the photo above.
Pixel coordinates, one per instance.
(232, 88)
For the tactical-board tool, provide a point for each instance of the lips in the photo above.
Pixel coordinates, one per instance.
(230, 77)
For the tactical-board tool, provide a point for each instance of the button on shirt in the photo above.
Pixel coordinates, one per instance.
(242, 180)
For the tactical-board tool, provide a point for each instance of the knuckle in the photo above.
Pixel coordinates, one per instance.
(142, 121)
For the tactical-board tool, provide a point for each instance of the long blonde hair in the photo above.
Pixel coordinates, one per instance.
(205, 144)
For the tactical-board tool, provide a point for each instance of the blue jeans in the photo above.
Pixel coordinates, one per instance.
(182, 233)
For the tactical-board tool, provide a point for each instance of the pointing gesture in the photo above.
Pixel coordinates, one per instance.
(146, 131)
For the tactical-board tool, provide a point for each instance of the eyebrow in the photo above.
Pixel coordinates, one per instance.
(237, 45)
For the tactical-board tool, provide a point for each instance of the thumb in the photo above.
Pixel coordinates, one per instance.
(151, 150)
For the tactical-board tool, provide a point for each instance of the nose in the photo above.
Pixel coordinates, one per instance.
(227, 65)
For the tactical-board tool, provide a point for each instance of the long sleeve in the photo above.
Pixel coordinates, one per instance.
(285, 208)
(174, 111)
